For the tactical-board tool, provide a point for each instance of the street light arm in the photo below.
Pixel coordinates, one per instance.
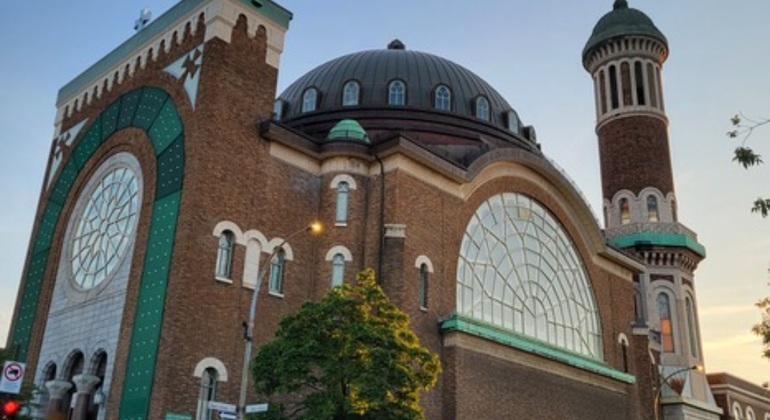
(248, 333)
(659, 391)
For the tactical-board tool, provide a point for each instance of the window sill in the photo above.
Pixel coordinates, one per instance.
(223, 280)
(423, 309)
(275, 294)
(340, 224)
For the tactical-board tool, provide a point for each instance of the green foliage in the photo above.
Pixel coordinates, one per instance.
(763, 328)
(743, 128)
(349, 356)
(28, 390)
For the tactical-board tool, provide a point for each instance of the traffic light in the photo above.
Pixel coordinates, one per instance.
(11, 409)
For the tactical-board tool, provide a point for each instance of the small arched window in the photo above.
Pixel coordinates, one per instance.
(652, 208)
(443, 98)
(338, 269)
(225, 255)
(309, 100)
(207, 393)
(625, 212)
(397, 93)
(737, 412)
(666, 323)
(691, 327)
(482, 108)
(512, 120)
(350, 93)
(343, 190)
(276, 272)
(422, 295)
(750, 414)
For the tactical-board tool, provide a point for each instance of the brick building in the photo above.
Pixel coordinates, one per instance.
(178, 175)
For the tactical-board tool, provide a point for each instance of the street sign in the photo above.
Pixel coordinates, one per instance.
(220, 406)
(256, 408)
(226, 415)
(13, 373)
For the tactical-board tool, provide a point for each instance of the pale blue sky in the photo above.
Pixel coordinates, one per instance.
(528, 50)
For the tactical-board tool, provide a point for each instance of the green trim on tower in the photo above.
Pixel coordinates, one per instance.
(530, 345)
(152, 110)
(658, 239)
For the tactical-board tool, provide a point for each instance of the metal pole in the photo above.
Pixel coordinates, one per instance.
(249, 334)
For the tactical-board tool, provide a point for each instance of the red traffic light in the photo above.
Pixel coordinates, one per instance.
(11, 407)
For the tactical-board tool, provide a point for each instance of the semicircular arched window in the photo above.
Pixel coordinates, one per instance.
(350, 93)
(443, 98)
(309, 100)
(519, 270)
(397, 93)
(482, 108)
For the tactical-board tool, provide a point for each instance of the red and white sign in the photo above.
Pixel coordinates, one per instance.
(13, 373)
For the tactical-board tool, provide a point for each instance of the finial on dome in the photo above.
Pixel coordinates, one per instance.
(396, 45)
(620, 4)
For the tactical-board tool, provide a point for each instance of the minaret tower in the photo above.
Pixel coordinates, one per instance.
(625, 56)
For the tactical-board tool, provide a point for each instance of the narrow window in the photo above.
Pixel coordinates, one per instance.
(396, 93)
(673, 210)
(278, 110)
(443, 99)
(276, 272)
(651, 86)
(603, 91)
(225, 255)
(482, 108)
(691, 327)
(309, 99)
(625, 212)
(350, 93)
(513, 122)
(640, 99)
(343, 190)
(625, 84)
(652, 208)
(614, 100)
(338, 269)
(666, 323)
(207, 392)
(423, 291)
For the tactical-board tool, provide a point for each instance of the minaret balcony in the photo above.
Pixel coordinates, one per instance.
(654, 234)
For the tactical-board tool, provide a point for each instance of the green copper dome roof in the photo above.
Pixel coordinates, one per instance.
(348, 130)
(622, 21)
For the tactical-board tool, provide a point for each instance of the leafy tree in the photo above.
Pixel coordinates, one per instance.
(743, 128)
(349, 356)
(763, 328)
(28, 390)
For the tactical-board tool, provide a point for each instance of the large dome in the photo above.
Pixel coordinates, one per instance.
(622, 21)
(422, 75)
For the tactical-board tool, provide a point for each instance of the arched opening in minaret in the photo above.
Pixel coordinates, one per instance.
(614, 99)
(639, 76)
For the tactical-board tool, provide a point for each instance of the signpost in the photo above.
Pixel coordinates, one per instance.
(13, 373)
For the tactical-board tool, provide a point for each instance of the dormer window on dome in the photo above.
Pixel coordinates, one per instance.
(442, 98)
(309, 100)
(512, 121)
(278, 109)
(482, 108)
(397, 93)
(350, 93)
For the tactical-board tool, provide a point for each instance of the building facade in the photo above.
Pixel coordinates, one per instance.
(179, 176)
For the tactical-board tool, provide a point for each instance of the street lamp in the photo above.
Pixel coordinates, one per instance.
(314, 228)
(656, 400)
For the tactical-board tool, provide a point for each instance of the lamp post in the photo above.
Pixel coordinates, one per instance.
(656, 400)
(314, 228)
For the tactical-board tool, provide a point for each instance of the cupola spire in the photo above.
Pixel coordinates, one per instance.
(620, 4)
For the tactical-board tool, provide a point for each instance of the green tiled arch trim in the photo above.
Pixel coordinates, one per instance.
(508, 338)
(152, 110)
(659, 239)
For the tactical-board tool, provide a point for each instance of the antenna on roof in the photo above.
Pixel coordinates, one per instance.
(144, 18)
